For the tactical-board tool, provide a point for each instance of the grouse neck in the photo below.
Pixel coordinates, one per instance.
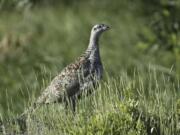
(93, 48)
(93, 43)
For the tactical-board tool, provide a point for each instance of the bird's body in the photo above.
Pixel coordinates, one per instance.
(71, 81)
(82, 75)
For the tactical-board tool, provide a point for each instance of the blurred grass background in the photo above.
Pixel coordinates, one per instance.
(40, 37)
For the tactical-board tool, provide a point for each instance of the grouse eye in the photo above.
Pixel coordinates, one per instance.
(99, 26)
(95, 28)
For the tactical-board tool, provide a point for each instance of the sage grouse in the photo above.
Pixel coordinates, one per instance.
(82, 75)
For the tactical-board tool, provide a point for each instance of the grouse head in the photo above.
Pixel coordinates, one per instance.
(99, 28)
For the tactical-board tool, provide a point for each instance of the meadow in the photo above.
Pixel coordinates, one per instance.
(139, 93)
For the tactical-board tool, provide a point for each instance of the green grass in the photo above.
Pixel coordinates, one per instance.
(135, 105)
(139, 91)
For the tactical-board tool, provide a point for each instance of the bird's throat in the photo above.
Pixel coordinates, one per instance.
(93, 42)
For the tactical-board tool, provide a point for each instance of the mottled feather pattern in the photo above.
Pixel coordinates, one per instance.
(69, 75)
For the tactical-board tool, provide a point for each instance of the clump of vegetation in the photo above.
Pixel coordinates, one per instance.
(163, 21)
(117, 106)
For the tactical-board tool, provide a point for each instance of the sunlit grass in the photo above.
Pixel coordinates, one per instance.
(121, 105)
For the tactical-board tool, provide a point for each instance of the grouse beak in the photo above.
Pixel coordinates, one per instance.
(106, 28)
